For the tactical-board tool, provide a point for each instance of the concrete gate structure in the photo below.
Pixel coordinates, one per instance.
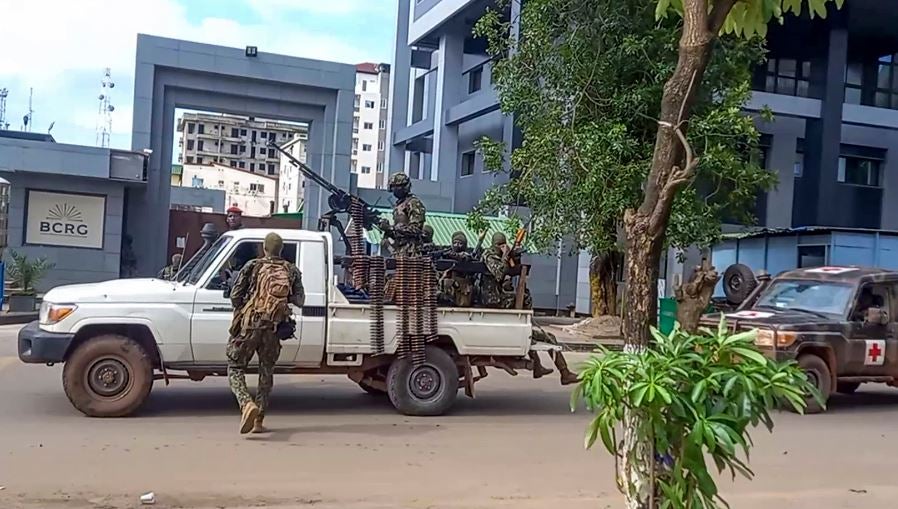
(174, 74)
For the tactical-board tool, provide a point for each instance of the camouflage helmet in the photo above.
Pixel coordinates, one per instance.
(460, 235)
(273, 244)
(427, 232)
(499, 239)
(400, 180)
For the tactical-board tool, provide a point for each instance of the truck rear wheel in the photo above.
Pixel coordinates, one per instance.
(428, 389)
(819, 375)
(108, 376)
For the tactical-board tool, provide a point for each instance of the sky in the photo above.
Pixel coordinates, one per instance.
(60, 48)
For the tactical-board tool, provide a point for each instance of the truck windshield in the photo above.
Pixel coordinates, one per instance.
(205, 259)
(810, 296)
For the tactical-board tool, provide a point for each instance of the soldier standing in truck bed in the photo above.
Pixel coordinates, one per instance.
(409, 215)
(457, 288)
(497, 291)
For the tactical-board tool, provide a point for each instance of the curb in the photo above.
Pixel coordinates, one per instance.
(17, 318)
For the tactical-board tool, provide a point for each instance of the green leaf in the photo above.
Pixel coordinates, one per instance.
(639, 395)
(592, 432)
(753, 355)
(661, 9)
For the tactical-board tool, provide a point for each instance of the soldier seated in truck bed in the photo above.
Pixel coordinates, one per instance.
(837, 322)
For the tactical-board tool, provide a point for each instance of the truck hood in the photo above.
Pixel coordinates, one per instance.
(771, 319)
(117, 290)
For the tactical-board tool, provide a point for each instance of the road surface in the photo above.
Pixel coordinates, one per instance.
(515, 446)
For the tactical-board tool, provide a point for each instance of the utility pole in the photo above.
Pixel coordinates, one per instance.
(4, 93)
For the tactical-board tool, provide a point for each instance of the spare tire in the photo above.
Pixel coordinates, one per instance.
(738, 283)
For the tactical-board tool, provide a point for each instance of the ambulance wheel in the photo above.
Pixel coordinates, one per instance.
(847, 387)
(820, 376)
(428, 389)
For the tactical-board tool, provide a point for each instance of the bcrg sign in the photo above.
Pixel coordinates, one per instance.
(65, 219)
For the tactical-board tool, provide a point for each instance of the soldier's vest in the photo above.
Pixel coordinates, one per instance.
(268, 299)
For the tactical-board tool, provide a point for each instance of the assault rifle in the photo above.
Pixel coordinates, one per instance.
(339, 201)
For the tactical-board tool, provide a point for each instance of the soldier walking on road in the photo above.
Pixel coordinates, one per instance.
(261, 296)
(498, 292)
(409, 215)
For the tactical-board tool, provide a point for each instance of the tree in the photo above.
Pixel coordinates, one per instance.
(585, 83)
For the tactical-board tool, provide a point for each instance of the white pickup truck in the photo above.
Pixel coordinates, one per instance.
(117, 337)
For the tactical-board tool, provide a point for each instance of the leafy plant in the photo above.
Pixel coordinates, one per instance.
(696, 398)
(25, 273)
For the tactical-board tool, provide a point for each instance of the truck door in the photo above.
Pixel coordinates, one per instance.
(212, 312)
(868, 342)
(312, 326)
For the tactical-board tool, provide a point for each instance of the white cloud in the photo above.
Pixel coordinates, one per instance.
(52, 44)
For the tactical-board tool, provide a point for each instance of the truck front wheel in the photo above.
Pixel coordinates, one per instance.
(108, 376)
(819, 375)
(428, 389)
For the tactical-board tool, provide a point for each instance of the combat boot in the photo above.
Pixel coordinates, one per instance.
(539, 370)
(568, 377)
(248, 418)
(258, 427)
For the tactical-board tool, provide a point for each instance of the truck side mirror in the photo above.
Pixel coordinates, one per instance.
(876, 316)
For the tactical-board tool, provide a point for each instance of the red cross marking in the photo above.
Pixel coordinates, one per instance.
(874, 352)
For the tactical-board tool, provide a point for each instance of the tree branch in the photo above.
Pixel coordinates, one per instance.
(719, 15)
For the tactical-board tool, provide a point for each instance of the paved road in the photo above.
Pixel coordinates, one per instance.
(333, 446)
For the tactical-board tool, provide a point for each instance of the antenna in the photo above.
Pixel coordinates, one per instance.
(4, 93)
(104, 112)
(28, 120)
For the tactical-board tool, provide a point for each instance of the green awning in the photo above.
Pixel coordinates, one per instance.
(445, 224)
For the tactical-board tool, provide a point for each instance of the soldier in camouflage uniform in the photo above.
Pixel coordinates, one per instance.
(497, 291)
(168, 272)
(427, 245)
(457, 289)
(251, 335)
(408, 218)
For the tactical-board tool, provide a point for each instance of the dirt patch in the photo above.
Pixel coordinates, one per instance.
(596, 327)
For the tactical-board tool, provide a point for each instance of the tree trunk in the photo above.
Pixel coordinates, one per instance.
(673, 166)
(693, 297)
(603, 284)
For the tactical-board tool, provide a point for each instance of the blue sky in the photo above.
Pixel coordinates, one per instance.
(61, 47)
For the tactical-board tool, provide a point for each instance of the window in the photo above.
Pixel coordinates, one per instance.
(475, 77)
(257, 187)
(242, 149)
(233, 164)
(196, 181)
(199, 145)
(467, 164)
(787, 76)
(369, 104)
(221, 183)
(233, 149)
(241, 165)
(235, 132)
(271, 152)
(798, 165)
(201, 128)
(252, 152)
(199, 160)
(264, 134)
(811, 256)
(243, 132)
(366, 148)
(366, 170)
(810, 296)
(380, 146)
(368, 125)
(190, 126)
(272, 136)
(254, 135)
(364, 85)
(383, 124)
(859, 171)
(252, 167)
(380, 167)
(886, 95)
(854, 76)
(383, 104)
(271, 169)
(189, 144)
(189, 159)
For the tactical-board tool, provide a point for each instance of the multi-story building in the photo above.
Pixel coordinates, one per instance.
(254, 193)
(291, 182)
(832, 84)
(238, 142)
(369, 123)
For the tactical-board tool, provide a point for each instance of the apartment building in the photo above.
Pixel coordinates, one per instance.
(237, 142)
(291, 182)
(254, 193)
(369, 124)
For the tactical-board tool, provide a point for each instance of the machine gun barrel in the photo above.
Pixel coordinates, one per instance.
(307, 171)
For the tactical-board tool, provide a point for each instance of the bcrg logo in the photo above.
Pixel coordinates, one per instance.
(64, 219)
